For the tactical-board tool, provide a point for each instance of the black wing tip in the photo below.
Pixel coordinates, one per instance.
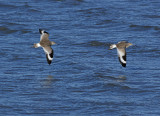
(49, 61)
(124, 57)
(40, 31)
(124, 65)
(51, 54)
(46, 32)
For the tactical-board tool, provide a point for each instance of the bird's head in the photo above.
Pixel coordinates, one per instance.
(112, 46)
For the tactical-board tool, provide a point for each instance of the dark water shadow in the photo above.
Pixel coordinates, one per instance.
(97, 43)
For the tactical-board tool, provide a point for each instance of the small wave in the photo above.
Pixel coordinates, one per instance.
(26, 5)
(7, 30)
(92, 9)
(5, 106)
(33, 10)
(97, 43)
(6, 6)
(15, 26)
(25, 31)
(3, 28)
(118, 85)
(151, 16)
(156, 28)
(104, 22)
(93, 12)
(143, 27)
(12, 24)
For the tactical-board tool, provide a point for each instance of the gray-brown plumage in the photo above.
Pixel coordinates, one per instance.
(121, 50)
(46, 44)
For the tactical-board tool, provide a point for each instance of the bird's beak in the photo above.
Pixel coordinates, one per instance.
(53, 43)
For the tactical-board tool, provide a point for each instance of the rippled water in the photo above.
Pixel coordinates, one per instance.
(85, 78)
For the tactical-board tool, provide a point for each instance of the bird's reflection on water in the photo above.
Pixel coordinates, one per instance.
(47, 81)
(111, 78)
(121, 78)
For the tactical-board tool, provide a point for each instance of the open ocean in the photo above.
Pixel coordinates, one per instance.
(85, 78)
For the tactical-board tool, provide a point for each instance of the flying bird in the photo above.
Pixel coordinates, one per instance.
(46, 44)
(121, 50)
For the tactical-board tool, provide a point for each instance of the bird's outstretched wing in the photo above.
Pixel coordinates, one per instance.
(44, 35)
(122, 56)
(49, 53)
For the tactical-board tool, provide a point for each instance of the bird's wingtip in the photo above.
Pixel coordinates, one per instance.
(124, 65)
(40, 31)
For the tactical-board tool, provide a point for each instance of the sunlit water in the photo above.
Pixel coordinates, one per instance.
(85, 78)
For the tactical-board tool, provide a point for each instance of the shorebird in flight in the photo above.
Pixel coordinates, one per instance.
(46, 44)
(121, 50)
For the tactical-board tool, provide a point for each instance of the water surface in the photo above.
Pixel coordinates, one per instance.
(85, 78)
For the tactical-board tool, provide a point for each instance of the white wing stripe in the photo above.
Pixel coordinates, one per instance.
(49, 57)
(45, 51)
(122, 60)
(47, 54)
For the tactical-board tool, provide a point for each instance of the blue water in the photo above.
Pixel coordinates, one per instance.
(85, 78)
